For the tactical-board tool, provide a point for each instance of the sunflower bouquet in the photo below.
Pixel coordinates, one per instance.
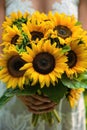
(43, 54)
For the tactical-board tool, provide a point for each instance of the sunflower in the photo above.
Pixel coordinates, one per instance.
(37, 26)
(11, 62)
(16, 18)
(73, 96)
(38, 17)
(45, 63)
(77, 59)
(53, 37)
(34, 31)
(82, 38)
(64, 25)
(12, 35)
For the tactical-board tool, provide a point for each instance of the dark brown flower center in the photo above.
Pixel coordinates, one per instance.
(44, 63)
(63, 31)
(14, 39)
(14, 64)
(36, 34)
(72, 59)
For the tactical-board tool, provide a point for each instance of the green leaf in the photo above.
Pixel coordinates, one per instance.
(55, 93)
(82, 76)
(9, 93)
(66, 48)
(3, 100)
(74, 83)
(78, 23)
(1, 68)
(28, 90)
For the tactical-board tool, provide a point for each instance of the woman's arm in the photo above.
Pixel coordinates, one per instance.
(82, 10)
(2, 15)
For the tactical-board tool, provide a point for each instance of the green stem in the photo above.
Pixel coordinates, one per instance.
(50, 118)
(56, 115)
(44, 117)
(35, 118)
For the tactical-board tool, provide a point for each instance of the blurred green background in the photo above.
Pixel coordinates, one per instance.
(85, 98)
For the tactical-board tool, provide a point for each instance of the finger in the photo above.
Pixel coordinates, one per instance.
(47, 106)
(41, 111)
(32, 100)
(41, 98)
(28, 99)
(42, 106)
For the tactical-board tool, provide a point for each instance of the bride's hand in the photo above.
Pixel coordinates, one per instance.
(38, 104)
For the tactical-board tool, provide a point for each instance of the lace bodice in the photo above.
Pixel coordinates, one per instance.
(68, 6)
(22, 5)
(14, 115)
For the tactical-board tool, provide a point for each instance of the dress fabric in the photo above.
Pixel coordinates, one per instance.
(15, 115)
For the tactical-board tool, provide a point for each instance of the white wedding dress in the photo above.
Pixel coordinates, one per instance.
(15, 115)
